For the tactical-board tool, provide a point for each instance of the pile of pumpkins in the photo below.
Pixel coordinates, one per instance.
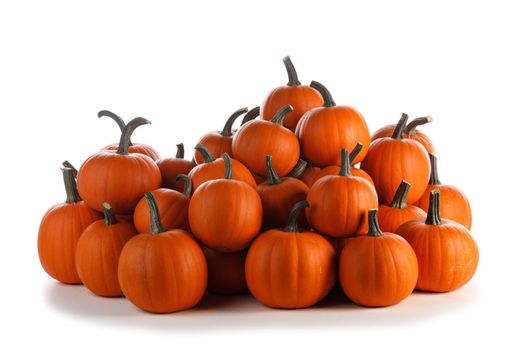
(276, 207)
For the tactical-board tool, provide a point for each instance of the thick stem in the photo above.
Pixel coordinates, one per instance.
(434, 178)
(120, 122)
(299, 169)
(67, 164)
(294, 215)
(400, 197)
(187, 184)
(271, 175)
(358, 147)
(281, 113)
(345, 164)
(154, 216)
(373, 224)
(293, 80)
(227, 130)
(251, 115)
(433, 215)
(398, 131)
(109, 217)
(411, 127)
(327, 96)
(227, 166)
(128, 131)
(205, 153)
(180, 151)
(70, 184)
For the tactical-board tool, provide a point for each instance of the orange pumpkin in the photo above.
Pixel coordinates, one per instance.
(225, 271)
(60, 229)
(447, 254)
(339, 203)
(98, 251)
(455, 205)
(162, 271)
(310, 174)
(301, 97)
(379, 269)
(290, 269)
(219, 142)
(225, 214)
(410, 132)
(391, 160)
(398, 212)
(323, 131)
(171, 167)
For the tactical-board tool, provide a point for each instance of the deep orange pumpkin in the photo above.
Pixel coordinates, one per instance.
(310, 174)
(410, 132)
(171, 167)
(398, 211)
(226, 271)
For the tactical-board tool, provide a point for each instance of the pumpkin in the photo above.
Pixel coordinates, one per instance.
(132, 147)
(98, 251)
(120, 178)
(172, 205)
(60, 229)
(447, 254)
(379, 269)
(301, 97)
(339, 203)
(252, 140)
(225, 271)
(310, 174)
(213, 168)
(251, 115)
(219, 142)
(171, 167)
(278, 196)
(410, 132)
(289, 268)
(393, 215)
(225, 214)
(323, 131)
(454, 204)
(391, 160)
(162, 271)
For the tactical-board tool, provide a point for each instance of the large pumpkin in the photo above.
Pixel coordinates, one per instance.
(226, 271)
(393, 215)
(410, 132)
(171, 167)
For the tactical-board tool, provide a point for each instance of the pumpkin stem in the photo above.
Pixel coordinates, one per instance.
(294, 215)
(271, 176)
(187, 184)
(67, 164)
(327, 96)
(398, 131)
(154, 216)
(180, 151)
(400, 197)
(128, 131)
(227, 166)
(434, 217)
(411, 127)
(70, 183)
(373, 224)
(434, 178)
(299, 169)
(205, 153)
(109, 216)
(227, 130)
(281, 113)
(293, 80)
(251, 115)
(121, 124)
(358, 147)
(345, 164)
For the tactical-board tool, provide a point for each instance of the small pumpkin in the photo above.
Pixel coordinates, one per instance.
(379, 269)
(162, 271)
(225, 271)
(455, 205)
(219, 142)
(225, 214)
(323, 131)
(398, 211)
(410, 132)
(447, 254)
(172, 205)
(310, 174)
(289, 268)
(60, 229)
(391, 160)
(171, 167)
(252, 140)
(301, 97)
(98, 251)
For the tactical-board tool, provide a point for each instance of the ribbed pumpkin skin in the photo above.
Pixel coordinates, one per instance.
(216, 144)
(334, 170)
(322, 133)
(447, 254)
(173, 209)
(377, 271)
(310, 175)
(170, 168)
(58, 235)
(164, 272)
(226, 271)
(422, 138)
(215, 170)
(454, 204)
(97, 256)
(391, 218)
(302, 98)
(140, 148)
(290, 270)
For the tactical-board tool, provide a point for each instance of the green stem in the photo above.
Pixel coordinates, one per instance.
(180, 151)
(227, 166)
(434, 178)
(121, 124)
(281, 113)
(400, 197)
(433, 216)
(227, 130)
(109, 216)
(70, 183)
(373, 224)
(271, 175)
(327, 96)
(128, 131)
(251, 115)
(398, 131)
(292, 225)
(67, 164)
(205, 153)
(299, 169)
(345, 164)
(154, 216)
(358, 147)
(411, 127)
(293, 80)
(187, 184)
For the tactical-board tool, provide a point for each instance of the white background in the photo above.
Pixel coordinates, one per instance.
(186, 67)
